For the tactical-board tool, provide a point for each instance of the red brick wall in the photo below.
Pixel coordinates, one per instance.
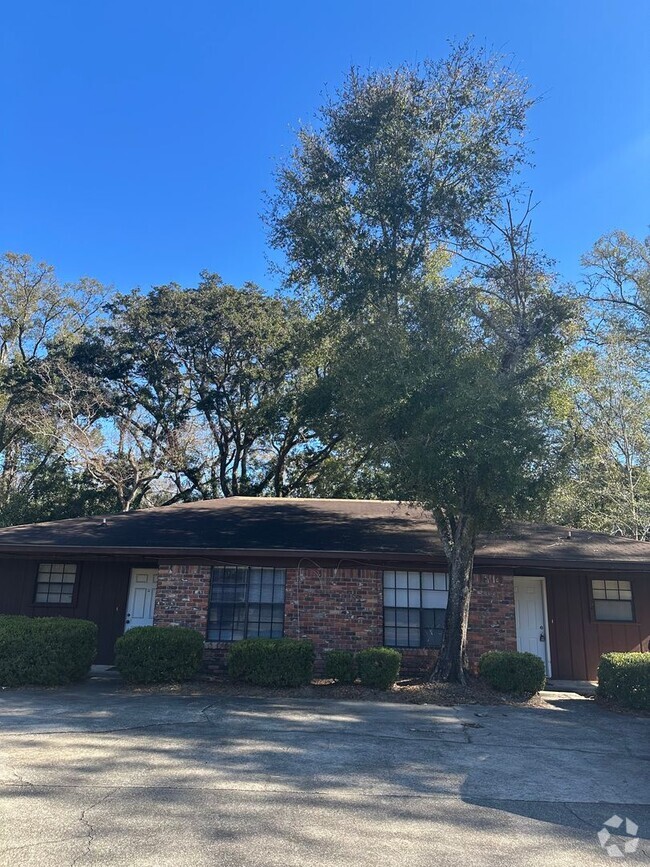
(491, 616)
(182, 595)
(337, 608)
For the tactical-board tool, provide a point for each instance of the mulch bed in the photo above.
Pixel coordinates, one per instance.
(404, 691)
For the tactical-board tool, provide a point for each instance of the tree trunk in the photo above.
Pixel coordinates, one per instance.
(459, 547)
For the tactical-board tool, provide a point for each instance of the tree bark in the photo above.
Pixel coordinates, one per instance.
(459, 537)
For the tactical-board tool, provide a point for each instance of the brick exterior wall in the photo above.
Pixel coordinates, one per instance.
(336, 608)
(182, 595)
(491, 616)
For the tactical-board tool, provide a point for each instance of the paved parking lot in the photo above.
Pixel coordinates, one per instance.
(99, 775)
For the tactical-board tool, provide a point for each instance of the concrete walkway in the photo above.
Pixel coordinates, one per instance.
(101, 775)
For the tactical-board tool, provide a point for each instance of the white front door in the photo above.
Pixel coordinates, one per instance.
(530, 618)
(142, 595)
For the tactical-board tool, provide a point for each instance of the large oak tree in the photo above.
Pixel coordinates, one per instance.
(444, 376)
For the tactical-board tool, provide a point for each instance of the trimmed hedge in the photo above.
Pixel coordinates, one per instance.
(625, 679)
(45, 651)
(341, 666)
(158, 654)
(378, 667)
(511, 671)
(272, 661)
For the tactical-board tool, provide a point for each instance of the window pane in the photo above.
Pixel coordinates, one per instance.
(389, 579)
(613, 610)
(390, 638)
(624, 585)
(432, 637)
(402, 636)
(434, 599)
(401, 617)
(599, 593)
(611, 585)
(625, 594)
(401, 598)
(55, 583)
(389, 598)
(389, 617)
(414, 598)
(414, 618)
(414, 580)
(440, 581)
(414, 638)
(597, 584)
(401, 579)
(427, 580)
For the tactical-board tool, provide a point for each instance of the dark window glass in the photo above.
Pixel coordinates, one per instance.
(415, 604)
(612, 599)
(55, 583)
(246, 602)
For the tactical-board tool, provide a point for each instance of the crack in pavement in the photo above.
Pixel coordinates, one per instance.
(21, 779)
(90, 830)
(233, 734)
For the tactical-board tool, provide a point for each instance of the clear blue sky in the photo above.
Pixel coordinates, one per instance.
(137, 137)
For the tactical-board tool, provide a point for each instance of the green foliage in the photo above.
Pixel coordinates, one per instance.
(625, 679)
(341, 666)
(453, 401)
(378, 667)
(45, 651)
(401, 159)
(511, 671)
(272, 661)
(158, 654)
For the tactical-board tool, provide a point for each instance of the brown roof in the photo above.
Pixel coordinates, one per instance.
(302, 526)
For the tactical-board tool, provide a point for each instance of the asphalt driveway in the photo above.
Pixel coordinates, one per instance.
(100, 775)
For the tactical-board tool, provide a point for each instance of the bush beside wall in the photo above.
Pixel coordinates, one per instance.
(511, 671)
(625, 679)
(45, 651)
(272, 661)
(378, 667)
(158, 654)
(341, 666)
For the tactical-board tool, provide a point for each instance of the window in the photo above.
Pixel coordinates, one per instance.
(246, 602)
(415, 605)
(612, 599)
(55, 583)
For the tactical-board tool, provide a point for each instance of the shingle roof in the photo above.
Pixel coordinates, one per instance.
(338, 527)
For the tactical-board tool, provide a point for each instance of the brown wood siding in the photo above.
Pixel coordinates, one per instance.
(577, 639)
(100, 595)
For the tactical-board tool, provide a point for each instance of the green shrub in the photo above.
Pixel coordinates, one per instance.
(45, 651)
(158, 654)
(625, 679)
(510, 671)
(272, 661)
(378, 667)
(340, 665)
